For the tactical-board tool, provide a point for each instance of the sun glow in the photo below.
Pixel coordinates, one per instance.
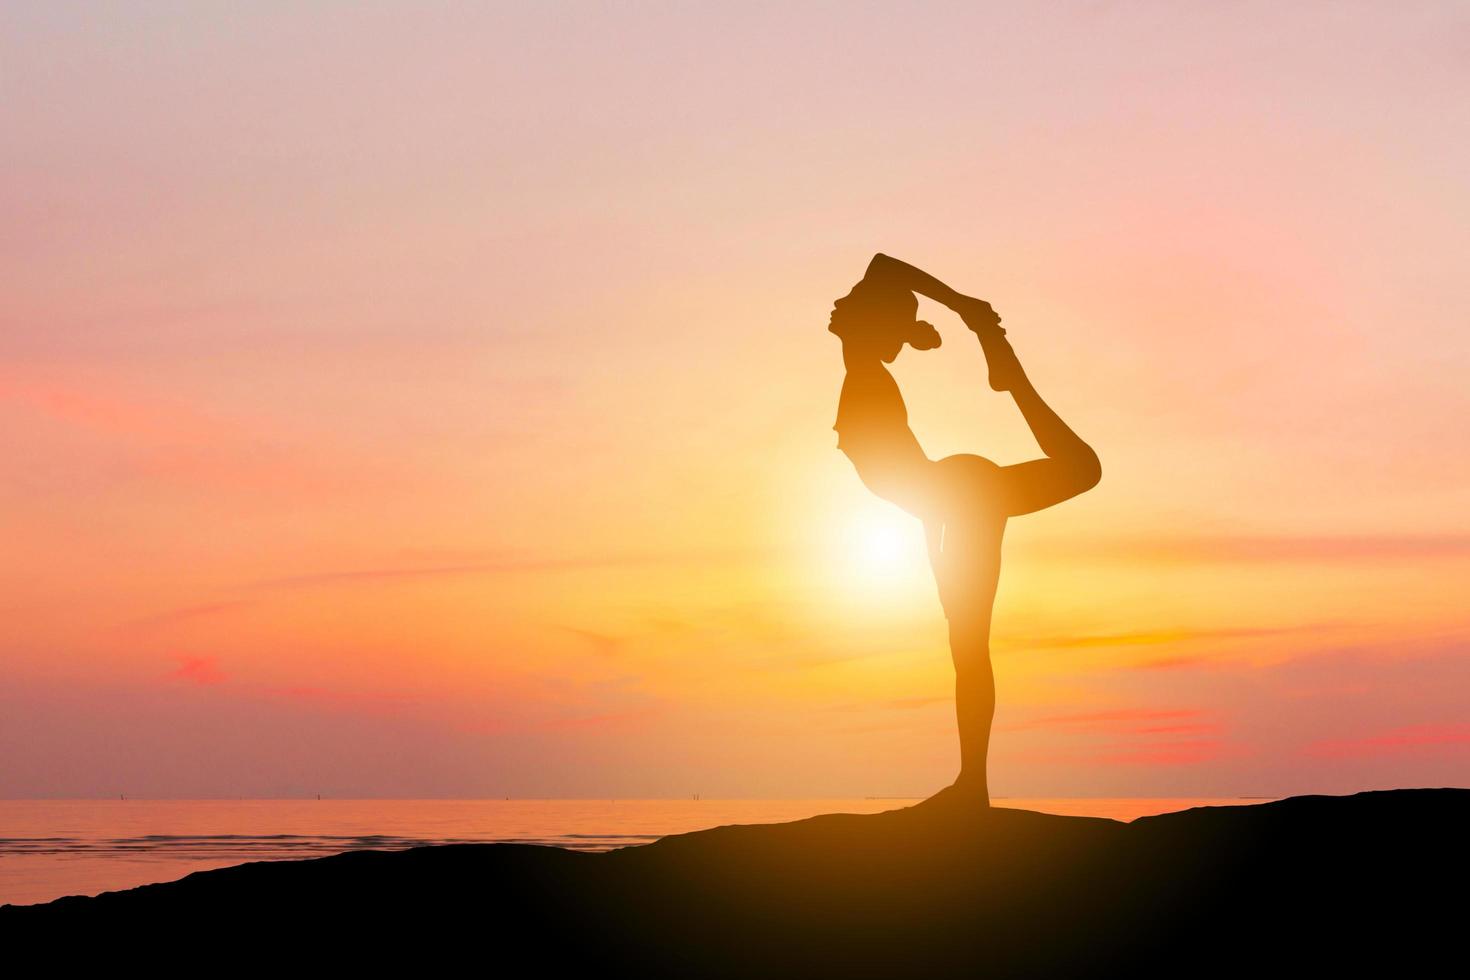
(879, 547)
(886, 549)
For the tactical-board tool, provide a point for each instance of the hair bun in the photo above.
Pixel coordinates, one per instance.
(924, 336)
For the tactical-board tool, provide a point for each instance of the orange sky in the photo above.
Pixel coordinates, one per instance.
(411, 403)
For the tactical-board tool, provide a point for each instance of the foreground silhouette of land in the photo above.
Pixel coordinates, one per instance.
(932, 889)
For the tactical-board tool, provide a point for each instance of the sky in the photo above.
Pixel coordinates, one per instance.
(435, 400)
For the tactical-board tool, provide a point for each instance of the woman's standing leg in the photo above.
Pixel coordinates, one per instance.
(974, 704)
(966, 562)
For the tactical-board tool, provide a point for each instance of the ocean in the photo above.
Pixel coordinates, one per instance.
(51, 848)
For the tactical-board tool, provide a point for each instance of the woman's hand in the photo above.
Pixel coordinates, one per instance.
(977, 314)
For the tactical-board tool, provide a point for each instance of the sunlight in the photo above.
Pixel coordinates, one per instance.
(880, 547)
(883, 547)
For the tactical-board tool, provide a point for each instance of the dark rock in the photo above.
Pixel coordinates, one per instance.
(936, 889)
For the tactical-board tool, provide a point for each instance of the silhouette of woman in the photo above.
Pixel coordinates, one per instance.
(963, 500)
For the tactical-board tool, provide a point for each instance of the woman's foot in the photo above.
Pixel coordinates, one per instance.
(1005, 369)
(980, 316)
(962, 794)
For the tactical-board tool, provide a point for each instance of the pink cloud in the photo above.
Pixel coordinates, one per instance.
(172, 442)
(89, 404)
(1125, 718)
(1129, 737)
(1405, 739)
(1176, 729)
(1252, 548)
(198, 670)
(1182, 753)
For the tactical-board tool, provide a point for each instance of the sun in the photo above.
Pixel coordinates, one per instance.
(884, 548)
(880, 547)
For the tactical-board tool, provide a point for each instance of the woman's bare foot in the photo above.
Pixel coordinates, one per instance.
(963, 794)
(1005, 369)
(980, 316)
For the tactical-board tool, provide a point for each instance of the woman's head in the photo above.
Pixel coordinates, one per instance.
(882, 317)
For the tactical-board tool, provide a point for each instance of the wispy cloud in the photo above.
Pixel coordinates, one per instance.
(172, 442)
(1172, 663)
(1146, 637)
(905, 704)
(365, 702)
(619, 719)
(603, 643)
(607, 719)
(186, 613)
(198, 670)
(1162, 752)
(1180, 753)
(92, 404)
(1251, 548)
(1119, 719)
(894, 704)
(1405, 739)
(499, 563)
